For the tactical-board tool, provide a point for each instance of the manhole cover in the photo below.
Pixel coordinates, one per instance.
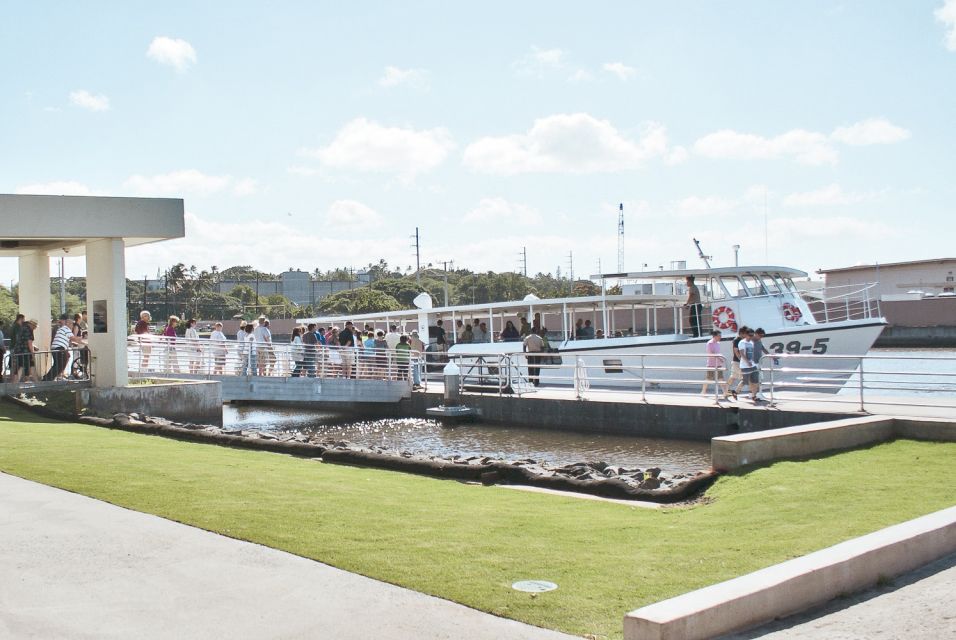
(534, 586)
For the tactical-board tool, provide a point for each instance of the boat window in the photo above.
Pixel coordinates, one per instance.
(770, 285)
(735, 286)
(792, 287)
(714, 290)
(754, 286)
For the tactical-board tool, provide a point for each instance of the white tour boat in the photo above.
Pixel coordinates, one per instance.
(650, 318)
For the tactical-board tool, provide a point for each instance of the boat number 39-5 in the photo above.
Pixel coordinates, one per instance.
(818, 347)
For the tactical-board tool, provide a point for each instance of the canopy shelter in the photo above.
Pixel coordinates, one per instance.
(35, 228)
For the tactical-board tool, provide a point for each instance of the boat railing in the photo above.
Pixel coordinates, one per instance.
(864, 381)
(151, 355)
(846, 302)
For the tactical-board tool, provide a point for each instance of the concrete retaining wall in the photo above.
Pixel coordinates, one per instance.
(184, 401)
(735, 451)
(621, 418)
(797, 584)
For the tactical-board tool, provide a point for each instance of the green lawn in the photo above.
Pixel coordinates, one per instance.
(469, 543)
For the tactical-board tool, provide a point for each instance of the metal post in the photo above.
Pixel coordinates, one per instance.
(772, 361)
(862, 406)
(643, 381)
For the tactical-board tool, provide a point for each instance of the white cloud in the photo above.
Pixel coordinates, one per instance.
(704, 206)
(947, 15)
(393, 77)
(580, 75)
(57, 188)
(676, 155)
(870, 131)
(364, 145)
(538, 61)
(176, 183)
(806, 147)
(86, 100)
(826, 196)
(172, 51)
(246, 187)
(345, 214)
(621, 70)
(566, 143)
(499, 210)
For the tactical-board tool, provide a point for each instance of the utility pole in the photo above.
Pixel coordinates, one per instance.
(620, 239)
(145, 288)
(524, 261)
(571, 271)
(445, 264)
(418, 259)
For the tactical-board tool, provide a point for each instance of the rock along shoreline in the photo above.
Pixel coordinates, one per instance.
(593, 478)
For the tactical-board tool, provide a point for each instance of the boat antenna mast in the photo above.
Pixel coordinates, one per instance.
(700, 252)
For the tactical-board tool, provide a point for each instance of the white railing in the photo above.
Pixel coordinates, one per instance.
(162, 355)
(645, 373)
(72, 365)
(863, 380)
(846, 302)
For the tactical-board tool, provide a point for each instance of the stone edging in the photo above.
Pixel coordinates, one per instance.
(798, 584)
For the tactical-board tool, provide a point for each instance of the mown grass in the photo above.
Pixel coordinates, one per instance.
(469, 543)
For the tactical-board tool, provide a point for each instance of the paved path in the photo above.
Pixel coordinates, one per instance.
(916, 606)
(74, 567)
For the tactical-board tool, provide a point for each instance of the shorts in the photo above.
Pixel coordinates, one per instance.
(711, 372)
(751, 376)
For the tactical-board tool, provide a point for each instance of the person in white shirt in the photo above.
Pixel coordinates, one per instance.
(393, 337)
(748, 365)
(263, 340)
(218, 338)
(479, 333)
(193, 348)
(63, 339)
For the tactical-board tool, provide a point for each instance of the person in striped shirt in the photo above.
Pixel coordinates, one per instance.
(63, 339)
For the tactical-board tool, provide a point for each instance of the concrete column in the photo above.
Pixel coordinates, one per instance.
(106, 281)
(35, 295)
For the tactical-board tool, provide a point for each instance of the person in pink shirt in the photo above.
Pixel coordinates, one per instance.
(715, 363)
(172, 358)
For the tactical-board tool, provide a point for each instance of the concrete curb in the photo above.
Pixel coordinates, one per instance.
(798, 584)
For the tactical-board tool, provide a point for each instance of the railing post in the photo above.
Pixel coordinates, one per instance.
(772, 362)
(643, 380)
(862, 406)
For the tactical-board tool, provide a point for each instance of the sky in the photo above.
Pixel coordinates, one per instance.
(321, 134)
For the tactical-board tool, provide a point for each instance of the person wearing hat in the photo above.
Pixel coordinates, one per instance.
(23, 352)
(63, 339)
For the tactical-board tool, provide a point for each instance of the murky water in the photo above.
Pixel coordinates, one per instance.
(428, 437)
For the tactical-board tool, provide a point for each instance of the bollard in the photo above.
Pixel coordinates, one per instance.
(452, 375)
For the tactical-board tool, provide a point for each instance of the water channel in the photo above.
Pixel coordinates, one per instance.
(428, 437)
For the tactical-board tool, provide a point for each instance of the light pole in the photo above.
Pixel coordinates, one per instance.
(736, 255)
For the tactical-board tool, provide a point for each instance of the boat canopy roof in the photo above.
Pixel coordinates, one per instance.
(480, 310)
(701, 273)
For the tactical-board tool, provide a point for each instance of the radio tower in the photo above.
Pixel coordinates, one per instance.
(620, 239)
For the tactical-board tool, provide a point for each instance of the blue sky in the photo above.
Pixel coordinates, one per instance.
(317, 134)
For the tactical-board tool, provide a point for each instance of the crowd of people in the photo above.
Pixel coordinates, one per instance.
(748, 349)
(20, 361)
(312, 351)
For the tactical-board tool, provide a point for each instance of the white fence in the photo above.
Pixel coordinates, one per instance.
(163, 355)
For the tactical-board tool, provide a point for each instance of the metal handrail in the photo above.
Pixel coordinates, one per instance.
(71, 365)
(166, 355)
(861, 378)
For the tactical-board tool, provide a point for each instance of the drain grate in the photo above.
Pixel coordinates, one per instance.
(534, 586)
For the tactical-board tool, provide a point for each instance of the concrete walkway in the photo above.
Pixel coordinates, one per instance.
(918, 605)
(74, 567)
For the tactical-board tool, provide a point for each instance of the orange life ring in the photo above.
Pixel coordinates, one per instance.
(724, 318)
(791, 312)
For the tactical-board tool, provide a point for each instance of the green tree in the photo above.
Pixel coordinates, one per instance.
(363, 300)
